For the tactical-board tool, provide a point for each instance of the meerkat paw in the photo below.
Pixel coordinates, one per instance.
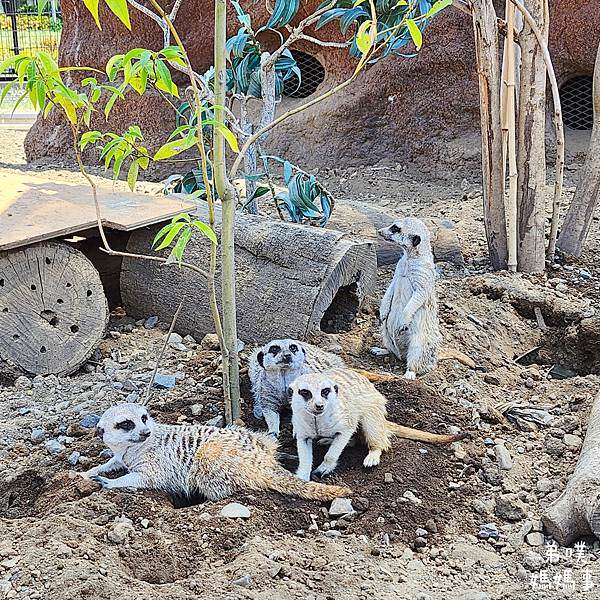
(103, 481)
(377, 351)
(372, 459)
(324, 469)
(411, 375)
(257, 412)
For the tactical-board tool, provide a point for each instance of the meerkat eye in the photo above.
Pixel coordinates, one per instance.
(274, 349)
(126, 425)
(395, 229)
(325, 392)
(294, 348)
(306, 394)
(144, 418)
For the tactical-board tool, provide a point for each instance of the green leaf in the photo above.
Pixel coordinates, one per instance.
(287, 172)
(206, 230)
(173, 230)
(225, 132)
(364, 37)
(181, 244)
(120, 9)
(132, 174)
(437, 7)
(415, 33)
(92, 6)
(173, 148)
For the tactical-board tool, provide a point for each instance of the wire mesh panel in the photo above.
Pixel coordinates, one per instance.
(576, 101)
(23, 30)
(312, 75)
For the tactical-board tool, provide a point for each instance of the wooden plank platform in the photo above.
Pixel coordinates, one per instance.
(34, 208)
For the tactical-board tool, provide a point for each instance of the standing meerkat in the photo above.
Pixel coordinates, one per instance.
(409, 311)
(192, 459)
(273, 368)
(334, 405)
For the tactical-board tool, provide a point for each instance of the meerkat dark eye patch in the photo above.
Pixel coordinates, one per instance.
(325, 392)
(395, 229)
(274, 349)
(126, 425)
(144, 418)
(293, 348)
(306, 394)
(416, 240)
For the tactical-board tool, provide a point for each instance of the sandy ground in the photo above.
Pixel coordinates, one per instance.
(416, 529)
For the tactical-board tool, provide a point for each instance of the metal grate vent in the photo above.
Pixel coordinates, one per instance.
(312, 72)
(576, 101)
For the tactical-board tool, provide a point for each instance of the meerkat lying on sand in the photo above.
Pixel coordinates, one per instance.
(274, 367)
(409, 313)
(185, 460)
(334, 405)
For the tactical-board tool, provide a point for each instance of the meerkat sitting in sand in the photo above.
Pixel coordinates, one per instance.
(334, 405)
(409, 312)
(186, 460)
(274, 367)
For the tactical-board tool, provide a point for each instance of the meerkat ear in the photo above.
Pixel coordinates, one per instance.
(290, 392)
(303, 350)
(261, 358)
(416, 240)
(99, 432)
(335, 387)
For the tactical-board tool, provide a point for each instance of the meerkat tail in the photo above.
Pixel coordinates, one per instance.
(450, 353)
(285, 483)
(378, 377)
(422, 436)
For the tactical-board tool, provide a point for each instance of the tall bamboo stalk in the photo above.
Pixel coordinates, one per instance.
(509, 117)
(226, 192)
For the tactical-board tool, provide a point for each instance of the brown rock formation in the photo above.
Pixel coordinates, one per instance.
(422, 110)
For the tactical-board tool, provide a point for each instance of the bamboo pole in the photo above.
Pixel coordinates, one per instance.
(511, 140)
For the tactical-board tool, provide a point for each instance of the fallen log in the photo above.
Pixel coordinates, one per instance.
(290, 280)
(576, 512)
(362, 221)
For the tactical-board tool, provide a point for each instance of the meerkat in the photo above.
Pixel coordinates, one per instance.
(274, 366)
(186, 460)
(334, 405)
(409, 312)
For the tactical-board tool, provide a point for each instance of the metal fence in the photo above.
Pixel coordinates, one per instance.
(23, 29)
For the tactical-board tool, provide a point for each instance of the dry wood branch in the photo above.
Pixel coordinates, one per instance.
(161, 354)
(486, 49)
(578, 219)
(576, 513)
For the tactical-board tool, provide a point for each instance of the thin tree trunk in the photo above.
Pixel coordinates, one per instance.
(509, 149)
(231, 376)
(531, 134)
(577, 223)
(249, 158)
(488, 68)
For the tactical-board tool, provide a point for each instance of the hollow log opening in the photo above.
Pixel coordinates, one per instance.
(342, 311)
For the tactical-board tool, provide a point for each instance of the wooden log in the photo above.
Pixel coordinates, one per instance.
(362, 221)
(53, 311)
(576, 512)
(291, 280)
